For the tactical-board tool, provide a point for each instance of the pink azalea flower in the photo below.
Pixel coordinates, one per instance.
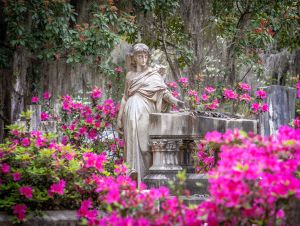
(172, 85)
(19, 210)
(280, 214)
(204, 97)
(245, 97)
(5, 168)
(82, 130)
(92, 134)
(58, 188)
(264, 107)
(244, 86)
(255, 107)
(16, 176)
(112, 196)
(15, 132)
(183, 81)
(89, 120)
(213, 105)
(64, 140)
(96, 93)
(26, 191)
(261, 94)
(175, 94)
(46, 95)
(192, 93)
(298, 89)
(297, 122)
(34, 100)
(44, 116)
(209, 89)
(25, 142)
(119, 69)
(213, 136)
(230, 94)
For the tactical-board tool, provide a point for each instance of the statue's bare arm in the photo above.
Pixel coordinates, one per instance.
(169, 98)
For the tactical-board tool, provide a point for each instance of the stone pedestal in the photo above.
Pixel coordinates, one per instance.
(172, 138)
(165, 162)
(281, 101)
(165, 156)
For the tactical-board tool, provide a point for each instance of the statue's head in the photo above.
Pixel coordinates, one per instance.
(139, 53)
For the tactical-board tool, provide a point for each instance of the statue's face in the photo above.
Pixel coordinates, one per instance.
(141, 58)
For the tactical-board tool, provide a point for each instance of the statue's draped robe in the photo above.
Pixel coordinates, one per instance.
(144, 95)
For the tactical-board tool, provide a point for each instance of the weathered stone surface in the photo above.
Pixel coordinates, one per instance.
(49, 218)
(185, 125)
(195, 183)
(165, 156)
(48, 126)
(281, 101)
(35, 119)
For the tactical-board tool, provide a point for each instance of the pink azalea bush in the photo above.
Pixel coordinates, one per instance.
(252, 179)
(37, 172)
(213, 98)
(89, 124)
(43, 171)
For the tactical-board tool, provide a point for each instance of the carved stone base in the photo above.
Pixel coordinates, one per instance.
(165, 156)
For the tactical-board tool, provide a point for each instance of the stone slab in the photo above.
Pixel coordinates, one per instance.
(195, 183)
(281, 101)
(49, 218)
(185, 125)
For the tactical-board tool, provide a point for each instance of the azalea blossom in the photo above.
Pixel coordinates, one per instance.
(57, 188)
(119, 69)
(192, 93)
(183, 81)
(255, 107)
(34, 100)
(244, 86)
(46, 95)
(204, 97)
(5, 168)
(26, 191)
(209, 89)
(16, 176)
(172, 85)
(230, 94)
(44, 116)
(96, 93)
(261, 94)
(175, 94)
(297, 122)
(245, 97)
(264, 107)
(25, 142)
(19, 210)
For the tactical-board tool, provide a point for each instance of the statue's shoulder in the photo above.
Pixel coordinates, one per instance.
(130, 74)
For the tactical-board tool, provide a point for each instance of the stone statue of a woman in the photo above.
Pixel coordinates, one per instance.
(145, 93)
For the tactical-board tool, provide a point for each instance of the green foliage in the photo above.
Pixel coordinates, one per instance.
(253, 27)
(51, 30)
(166, 31)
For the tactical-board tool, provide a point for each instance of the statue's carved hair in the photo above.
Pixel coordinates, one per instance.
(139, 47)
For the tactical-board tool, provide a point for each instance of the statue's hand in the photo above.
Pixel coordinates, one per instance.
(180, 104)
(119, 123)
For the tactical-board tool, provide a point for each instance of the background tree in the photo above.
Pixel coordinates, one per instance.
(254, 27)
